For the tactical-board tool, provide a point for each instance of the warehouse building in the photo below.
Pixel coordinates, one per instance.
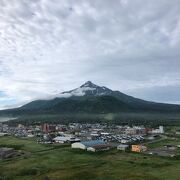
(66, 139)
(99, 147)
(87, 144)
(123, 147)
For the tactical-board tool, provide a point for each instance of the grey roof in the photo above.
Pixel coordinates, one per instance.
(93, 143)
(123, 145)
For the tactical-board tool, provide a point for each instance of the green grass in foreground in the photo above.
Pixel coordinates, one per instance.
(65, 163)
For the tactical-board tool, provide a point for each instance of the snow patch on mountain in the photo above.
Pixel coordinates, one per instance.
(81, 91)
(86, 89)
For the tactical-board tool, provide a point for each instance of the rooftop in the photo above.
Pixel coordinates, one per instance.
(93, 143)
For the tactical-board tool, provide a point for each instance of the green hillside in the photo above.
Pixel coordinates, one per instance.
(60, 162)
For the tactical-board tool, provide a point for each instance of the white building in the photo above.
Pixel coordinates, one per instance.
(64, 139)
(161, 129)
(86, 144)
(158, 131)
(122, 147)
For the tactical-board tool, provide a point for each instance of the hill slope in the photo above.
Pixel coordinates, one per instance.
(91, 98)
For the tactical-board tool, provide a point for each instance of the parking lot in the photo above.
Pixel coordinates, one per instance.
(163, 151)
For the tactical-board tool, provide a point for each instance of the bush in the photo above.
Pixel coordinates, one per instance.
(29, 172)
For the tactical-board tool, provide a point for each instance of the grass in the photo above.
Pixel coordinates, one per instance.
(172, 129)
(22, 143)
(163, 142)
(65, 163)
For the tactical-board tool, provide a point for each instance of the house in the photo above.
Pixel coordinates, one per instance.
(86, 144)
(123, 147)
(99, 147)
(138, 148)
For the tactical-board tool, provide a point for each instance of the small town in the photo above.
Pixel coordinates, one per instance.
(93, 137)
(89, 90)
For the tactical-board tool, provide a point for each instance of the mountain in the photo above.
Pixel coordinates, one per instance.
(91, 98)
(88, 89)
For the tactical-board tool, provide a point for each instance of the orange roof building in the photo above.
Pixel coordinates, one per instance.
(138, 148)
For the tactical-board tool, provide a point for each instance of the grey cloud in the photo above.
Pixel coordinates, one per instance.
(131, 46)
(169, 94)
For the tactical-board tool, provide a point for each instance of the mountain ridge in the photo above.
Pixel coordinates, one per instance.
(92, 98)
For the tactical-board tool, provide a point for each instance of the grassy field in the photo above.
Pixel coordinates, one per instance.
(62, 162)
(163, 142)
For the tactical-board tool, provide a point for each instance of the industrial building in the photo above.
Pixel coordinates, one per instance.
(65, 139)
(123, 147)
(99, 147)
(87, 144)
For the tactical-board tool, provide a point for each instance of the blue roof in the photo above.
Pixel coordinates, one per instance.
(92, 143)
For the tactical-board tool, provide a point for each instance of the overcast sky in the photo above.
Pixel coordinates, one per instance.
(50, 46)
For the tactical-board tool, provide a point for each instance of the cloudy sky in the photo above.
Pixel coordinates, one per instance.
(49, 46)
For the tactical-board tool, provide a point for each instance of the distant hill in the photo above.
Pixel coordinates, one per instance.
(91, 98)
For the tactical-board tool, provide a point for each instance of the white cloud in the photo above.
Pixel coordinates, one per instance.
(48, 46)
